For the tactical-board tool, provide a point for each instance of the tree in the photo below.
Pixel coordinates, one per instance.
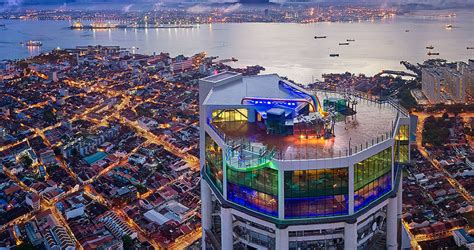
(57, 151)
(127, 242)
(26, 160)
(49, 115)
(24, 246)
(141, 188)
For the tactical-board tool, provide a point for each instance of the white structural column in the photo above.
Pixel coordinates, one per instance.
(206, 206)
(351, 189)
(227, 240)
(392, 227)
(400, 200)
(350, 236)
(281, 239)
(281, 194)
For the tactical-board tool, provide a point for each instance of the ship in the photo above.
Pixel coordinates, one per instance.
(320, 37)
(449, 26)
(470, 47)
(334, 55)
(33, 43)
(343, 43)
(430, 47)
(407, 30)
(351, 40)
(433, 53)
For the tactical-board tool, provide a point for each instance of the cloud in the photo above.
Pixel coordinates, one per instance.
(232, 8)
(198, 9)
(12, 3)
(127, 8)
(157, 6)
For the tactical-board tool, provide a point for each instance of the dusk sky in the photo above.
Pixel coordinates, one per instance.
(433, 2)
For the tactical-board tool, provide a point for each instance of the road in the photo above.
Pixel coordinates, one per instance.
(419, 138)
(126, 101)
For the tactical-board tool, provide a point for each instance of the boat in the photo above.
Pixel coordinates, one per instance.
(34, 43)
(334, 55)
(320, 37)
(449, 26)
(351, 40)
(343, 43)
(433, 53)
(430, 47)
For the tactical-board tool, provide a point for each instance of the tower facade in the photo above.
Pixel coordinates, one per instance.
(285, 168)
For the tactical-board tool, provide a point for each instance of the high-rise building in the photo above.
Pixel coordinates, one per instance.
(432, 80)
(285, 168)
(448, 84)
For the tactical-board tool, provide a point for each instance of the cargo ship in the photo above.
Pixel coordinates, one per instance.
(33, 43)
(320, 37)
(470, 47)
(433, 53)
(334, 55)
(430, 47)
(343, 43)
(350, 40)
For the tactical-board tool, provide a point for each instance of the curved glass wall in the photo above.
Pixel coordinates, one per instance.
(214, 162)
(254, 188)
(372, 178)
(313, 193)
(402, 144)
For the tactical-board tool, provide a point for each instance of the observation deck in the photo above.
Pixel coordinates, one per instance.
(373, 123)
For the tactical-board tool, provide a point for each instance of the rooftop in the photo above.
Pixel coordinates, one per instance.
(372, 121)
(261, 86)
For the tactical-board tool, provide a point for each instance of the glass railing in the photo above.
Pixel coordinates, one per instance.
(243, 153)
(246, 155)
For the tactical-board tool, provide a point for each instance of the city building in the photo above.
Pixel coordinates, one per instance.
(285, 168)
(58, 238)
(117, 226)
(448, 84)
(463, 238)
(33, 200)
(431, 84)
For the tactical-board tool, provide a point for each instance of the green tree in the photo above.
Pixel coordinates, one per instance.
(26, 160)
(141, 188)
(127, 242)
(24, 246)
(49, 115)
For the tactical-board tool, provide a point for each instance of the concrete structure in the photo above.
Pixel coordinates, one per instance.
(463, 238)
(273, 177)
(447, 84)
(59, 239)
(33, 200)
(76, 211)
(117, 226)
(431, 84)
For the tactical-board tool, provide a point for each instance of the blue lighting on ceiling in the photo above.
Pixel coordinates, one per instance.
(274, 103)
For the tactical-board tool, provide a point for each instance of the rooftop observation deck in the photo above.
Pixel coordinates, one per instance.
(373, 123)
